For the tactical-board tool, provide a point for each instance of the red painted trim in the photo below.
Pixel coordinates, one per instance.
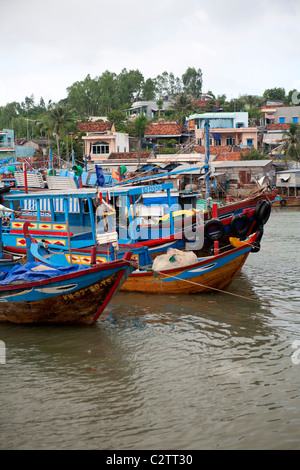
(126, 257)
(99, 267)
(41, 232)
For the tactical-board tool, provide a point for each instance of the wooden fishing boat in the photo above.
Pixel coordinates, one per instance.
(203, 274)
(285, 201)
(67, 220)
(213, 272)
(41, 294)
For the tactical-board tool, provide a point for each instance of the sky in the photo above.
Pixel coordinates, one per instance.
(241, 46)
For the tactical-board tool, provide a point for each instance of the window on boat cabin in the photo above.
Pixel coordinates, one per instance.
(210, 141)
(230, 141)
(218, 142)
(199, 141)
(100, 147)
(281, 120)
(295, 120)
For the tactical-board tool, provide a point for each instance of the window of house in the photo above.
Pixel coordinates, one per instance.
(281, 120)
(249, 142)
(199, 141)
(218, 142)
(295, 120)
(230, 141)
(100, 148)
(210, 141)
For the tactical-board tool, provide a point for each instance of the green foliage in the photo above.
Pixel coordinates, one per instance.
(291, 146)
(140, 124)
(192, 82)
(253, 154)
(276, 94)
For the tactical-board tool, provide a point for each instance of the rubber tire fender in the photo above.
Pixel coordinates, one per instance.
(282, 202)
(214, 224)
(242, 229)
(262, 212)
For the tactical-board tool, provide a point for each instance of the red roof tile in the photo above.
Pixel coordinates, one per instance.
(164, 129)
(94, 126)
(128, 155)
(213, 149)
(203, 103)
(276, 127)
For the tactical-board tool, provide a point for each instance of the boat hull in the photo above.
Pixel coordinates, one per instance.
(77, 298)
(215, 273)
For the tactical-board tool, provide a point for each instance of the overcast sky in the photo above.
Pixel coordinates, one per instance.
(241, 46)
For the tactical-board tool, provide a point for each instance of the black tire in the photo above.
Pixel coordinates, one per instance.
(217, 228)
(282, 202)
(240, 225)
(262, 212)
(256, 244)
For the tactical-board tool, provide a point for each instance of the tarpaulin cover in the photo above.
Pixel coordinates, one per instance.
(36, 271)
(100, 176)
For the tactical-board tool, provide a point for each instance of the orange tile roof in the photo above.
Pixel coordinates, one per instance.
(165, 129)
(94, 126)
(128, 155)
(276, 126)
(203, 103)
(213, 149)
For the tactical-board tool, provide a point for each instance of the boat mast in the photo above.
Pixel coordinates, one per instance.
(206, 166)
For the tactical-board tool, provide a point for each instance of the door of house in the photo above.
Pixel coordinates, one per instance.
(245, 176)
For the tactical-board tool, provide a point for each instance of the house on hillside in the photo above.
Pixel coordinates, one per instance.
(225, 129)
(150, 109)
(167, 130)
(102, 139)
(7, 143)
(28, 147)
(282, 118)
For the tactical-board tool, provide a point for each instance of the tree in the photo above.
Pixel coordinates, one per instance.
(148, 91)
(160, 104)
(140, 124)
(9, 112)
(116, 116)
(192, 82)
(57, 120)
(84, 96)
(291, 146)
(255, 115)
(182, 108)
(129, 85)
(274, 94)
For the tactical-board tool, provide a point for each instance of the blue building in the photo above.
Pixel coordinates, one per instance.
(7, 141)
(226, 129)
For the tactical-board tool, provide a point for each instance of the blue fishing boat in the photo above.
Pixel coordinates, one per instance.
(41, 294)
(69, 220)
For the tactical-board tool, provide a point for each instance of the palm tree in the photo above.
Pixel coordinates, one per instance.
(58, 117)
(291, 146)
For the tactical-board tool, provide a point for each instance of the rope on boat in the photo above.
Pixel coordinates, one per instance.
(267, 304)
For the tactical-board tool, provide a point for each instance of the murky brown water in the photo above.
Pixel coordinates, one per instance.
(210, 371)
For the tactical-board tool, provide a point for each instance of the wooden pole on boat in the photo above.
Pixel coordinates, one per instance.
(25, 177)
(69, 241)
(206, 166)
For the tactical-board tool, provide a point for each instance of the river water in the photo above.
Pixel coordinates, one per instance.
(208, 371)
